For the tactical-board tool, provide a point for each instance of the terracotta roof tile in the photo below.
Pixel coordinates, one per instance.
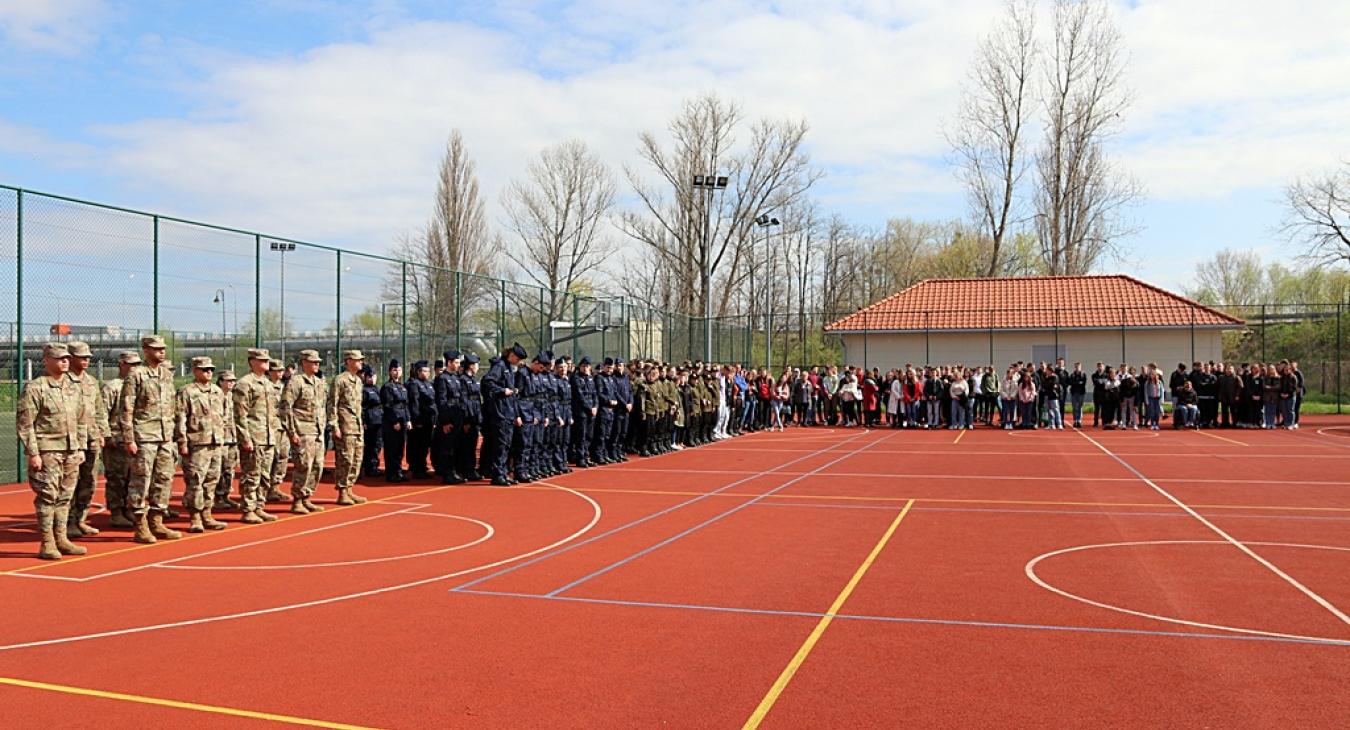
(1034, 302)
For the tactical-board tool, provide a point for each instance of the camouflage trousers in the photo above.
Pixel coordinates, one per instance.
(151, 478)
(84, 486)
(54, 484)
(229, 462)
(308, 467)
(275, 473)
(348, 451)
(116, 477)
(251, 467)
(201, 474)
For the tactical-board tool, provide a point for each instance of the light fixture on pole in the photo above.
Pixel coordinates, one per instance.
(709, 184)
(283, 247)
(765, 221)
(220, 299)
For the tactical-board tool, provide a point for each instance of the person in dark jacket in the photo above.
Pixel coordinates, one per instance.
(502, 412)
(422, 414)
(525, 452)
(470, 419)
(395, 422)
(1230, 393)
(372, 415)
(623, 388)
(1185, 412)
(1098, 392)
(449, 396)
(608, 397)
(1077, 382)
(1110, 402)
(584, 410)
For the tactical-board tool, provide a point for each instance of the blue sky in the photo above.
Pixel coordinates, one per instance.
(324, 120)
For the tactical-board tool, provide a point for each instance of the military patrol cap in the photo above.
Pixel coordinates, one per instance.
(451, 355)
(470, 359)
(79, 349)
(393, 363)
(309, 356)
(609, 361)
(153, 342)
(202, 362)
(419, 364)
(57, 350)
(227, 375)
(353, 355)
(130, 357)
(543, 359)
(585, 360)
(275, 366)
(518, 351)
(367, 370)
(258, 353)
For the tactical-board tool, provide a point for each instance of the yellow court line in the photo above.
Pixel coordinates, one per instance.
(785, 677)
(959, 436)
(1221, 438)
(195, 707)
(237, 529)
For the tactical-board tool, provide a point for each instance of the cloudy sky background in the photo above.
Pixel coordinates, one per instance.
(325, 120)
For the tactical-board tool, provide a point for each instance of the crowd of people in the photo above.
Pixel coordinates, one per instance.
(523, 420)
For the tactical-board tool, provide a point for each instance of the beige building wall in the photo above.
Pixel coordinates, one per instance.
(1167, 347)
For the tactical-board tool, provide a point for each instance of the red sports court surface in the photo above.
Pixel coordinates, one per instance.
(809, 578)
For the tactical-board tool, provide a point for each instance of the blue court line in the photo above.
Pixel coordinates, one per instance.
(713, 519)
(910, 619)
(647, 518)
(1048, 511)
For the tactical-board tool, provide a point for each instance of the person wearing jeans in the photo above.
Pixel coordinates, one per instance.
(1077, 392)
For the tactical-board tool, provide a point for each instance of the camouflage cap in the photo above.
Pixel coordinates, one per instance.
(353, 355)
(152, 342)
(203, 362)
(258, 353)
(309, 356)
(55, 349)
(275, 366)
(227, 375)
(79, 349)
(129, 357)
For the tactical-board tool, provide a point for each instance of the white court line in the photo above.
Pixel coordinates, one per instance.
(1031, 573)
(1324, 603)
(984, 477)
(595, 518)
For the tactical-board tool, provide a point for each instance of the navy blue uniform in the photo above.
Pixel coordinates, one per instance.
(422, 410)
(449, 393)
(500, 413)
(619, 438)
(372, 412)
(394, 399)
(562, 406)
(470, 418)
(524, 446)
(583, 421)
(607, 393)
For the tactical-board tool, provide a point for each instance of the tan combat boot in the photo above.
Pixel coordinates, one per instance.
(298, 506)
(353, 496)
(309, 505)
(143, 534)
(195, 522)
(161, 532)
(83, 523)
(345, 497)
(276, 497)
(120, 520)
(60, 517)
(266, 516)
(251, 518)
(210, 522)
(47, 550)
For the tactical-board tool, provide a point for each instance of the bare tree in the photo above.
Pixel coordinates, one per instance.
(1081, 192)
(1232, 278)
(558, 215)
(988, 134)
(1318, 216)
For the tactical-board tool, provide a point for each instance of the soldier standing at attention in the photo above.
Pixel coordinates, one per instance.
(147, 430)
(304, 419)
(525, 446)
(564, 410)
(372, 411)
(116, 467)
(94, 429)
(502, 411)
(604, 419)
(395, 420)
(422, 411)
(623, 385)
(200, 432)
(48, 420)
(584, 406)
(275, 473)
(253, 418)
(466, 450)
(229, 455)
(448, 396)
(344, 413)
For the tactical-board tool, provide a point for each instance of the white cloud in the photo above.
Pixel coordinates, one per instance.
(59, 26)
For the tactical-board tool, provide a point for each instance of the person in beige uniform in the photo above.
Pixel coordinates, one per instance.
(257, 439)
(199, 430)
(116, 465)
(344, 413)
(50, 411)
(229, 456)
(96, 432)
(273, 477)
(147, 430)
(304, 420)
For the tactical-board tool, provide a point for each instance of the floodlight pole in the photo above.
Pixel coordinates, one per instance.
(708, 183)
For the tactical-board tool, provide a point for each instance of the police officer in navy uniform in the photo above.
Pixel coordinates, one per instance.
(548, 421)
(395, 423)
(563, 387)
(372, 415)
(449, 394)
(525, 446)
(584, 407)
(623, 387)
(502, 411)
(608, 396)
(470, 418)
(422, 411)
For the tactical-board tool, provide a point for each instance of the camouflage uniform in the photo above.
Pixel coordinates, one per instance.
(94, 429)
(304, 422)
(116, 463)
(229, 455)
(199, 430)
(344, 412)
(253, 413)
(273, 477)
(148, 421)
(48, 419)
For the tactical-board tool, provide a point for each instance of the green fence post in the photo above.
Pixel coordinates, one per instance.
(575, 315)
(501, 319)
(459, 310)
(403, 319)
(1263, 333)
(337, 336)
(542, 327)
(154, 286)
(18, 328)
(257, 291)
(1338, 358)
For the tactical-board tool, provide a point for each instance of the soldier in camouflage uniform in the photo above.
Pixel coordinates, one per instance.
(344, 413)
(229, 455)
(274, 476)
(147, 430)
(95, 430)
(253, 411)
(116, 465)
(199, 429)
(303, 402)
(50, 411)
